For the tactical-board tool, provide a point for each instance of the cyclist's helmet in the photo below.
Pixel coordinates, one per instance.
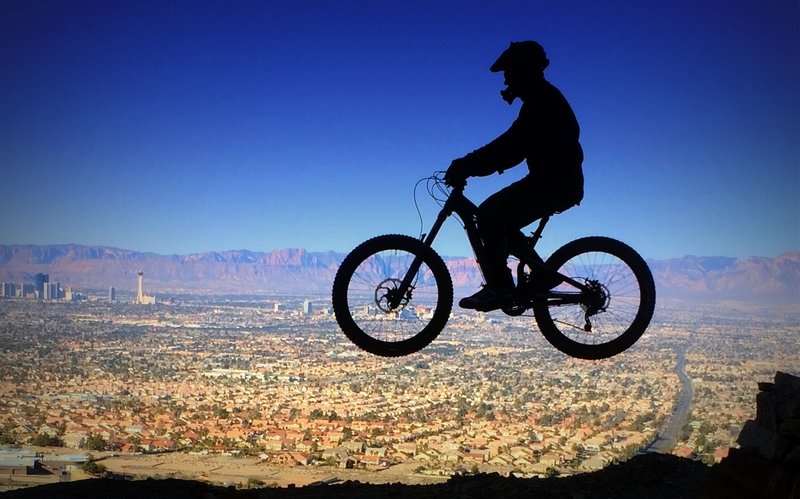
(524, 56)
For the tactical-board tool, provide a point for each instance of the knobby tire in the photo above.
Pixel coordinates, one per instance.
(363, 282)
(631, 299)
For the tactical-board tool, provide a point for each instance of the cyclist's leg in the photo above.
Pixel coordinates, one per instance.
(501, 214)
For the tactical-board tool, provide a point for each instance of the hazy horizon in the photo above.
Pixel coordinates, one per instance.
(322, 251)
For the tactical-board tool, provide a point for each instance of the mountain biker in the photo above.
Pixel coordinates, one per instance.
(545, 135)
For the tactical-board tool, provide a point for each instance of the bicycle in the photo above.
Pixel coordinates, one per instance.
(592, 299)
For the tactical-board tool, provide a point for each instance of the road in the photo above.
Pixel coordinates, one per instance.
(668, 436)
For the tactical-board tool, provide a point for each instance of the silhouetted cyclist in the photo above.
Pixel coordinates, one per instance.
(546, 136)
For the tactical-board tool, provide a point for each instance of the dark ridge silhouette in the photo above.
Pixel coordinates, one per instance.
(653, 476)
(767, 465)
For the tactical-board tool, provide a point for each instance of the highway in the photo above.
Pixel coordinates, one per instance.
(668, 436)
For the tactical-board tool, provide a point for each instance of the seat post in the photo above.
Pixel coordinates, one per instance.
(537, 234)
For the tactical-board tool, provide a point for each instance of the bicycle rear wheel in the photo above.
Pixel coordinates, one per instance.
(372, 309)
(615, 311)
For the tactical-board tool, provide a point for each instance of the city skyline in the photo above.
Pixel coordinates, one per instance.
(185, 128)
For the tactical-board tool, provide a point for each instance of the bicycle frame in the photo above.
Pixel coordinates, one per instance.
(520, 246)
(592, 298)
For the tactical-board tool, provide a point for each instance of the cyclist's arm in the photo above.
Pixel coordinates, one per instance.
(504, 152)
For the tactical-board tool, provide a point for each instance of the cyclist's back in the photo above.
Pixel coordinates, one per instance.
(545, 135)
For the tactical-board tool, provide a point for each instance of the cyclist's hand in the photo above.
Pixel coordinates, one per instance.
(456, 174)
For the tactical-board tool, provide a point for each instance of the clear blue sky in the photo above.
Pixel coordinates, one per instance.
(183, 127)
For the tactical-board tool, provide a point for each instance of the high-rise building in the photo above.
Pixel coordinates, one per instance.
(9, 290)
(27, 290)
(39, 281)
(50, 291)
(112, 294)
(139, 292)
(141, 298)
(308, 309)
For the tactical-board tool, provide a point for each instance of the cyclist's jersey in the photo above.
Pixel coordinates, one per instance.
(546, 135)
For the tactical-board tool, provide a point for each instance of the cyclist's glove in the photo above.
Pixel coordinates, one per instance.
(458, 172)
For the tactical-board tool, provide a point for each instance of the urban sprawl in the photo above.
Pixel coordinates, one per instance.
(266, 390)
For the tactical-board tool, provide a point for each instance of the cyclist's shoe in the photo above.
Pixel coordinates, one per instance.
(488, 299)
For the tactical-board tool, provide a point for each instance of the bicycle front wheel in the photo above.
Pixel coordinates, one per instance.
(614, 310)
(375, 311)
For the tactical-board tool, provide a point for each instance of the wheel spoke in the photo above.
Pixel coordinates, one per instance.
(615, 308)
(372, 307)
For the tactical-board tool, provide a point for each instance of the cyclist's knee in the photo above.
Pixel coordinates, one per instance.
(491, 220)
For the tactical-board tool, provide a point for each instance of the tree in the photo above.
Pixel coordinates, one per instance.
(220, 412)
(700, 441)
(347, 433)
(95, 442)
(45, 440)
(255, 483)
(6, 436)
(551, 472)
(93, 468)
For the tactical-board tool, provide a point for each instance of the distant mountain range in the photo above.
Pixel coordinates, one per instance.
(760, 280)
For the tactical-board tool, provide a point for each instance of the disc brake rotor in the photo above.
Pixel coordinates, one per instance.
(388, 292)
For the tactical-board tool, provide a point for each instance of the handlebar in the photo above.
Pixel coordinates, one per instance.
(456, 184)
